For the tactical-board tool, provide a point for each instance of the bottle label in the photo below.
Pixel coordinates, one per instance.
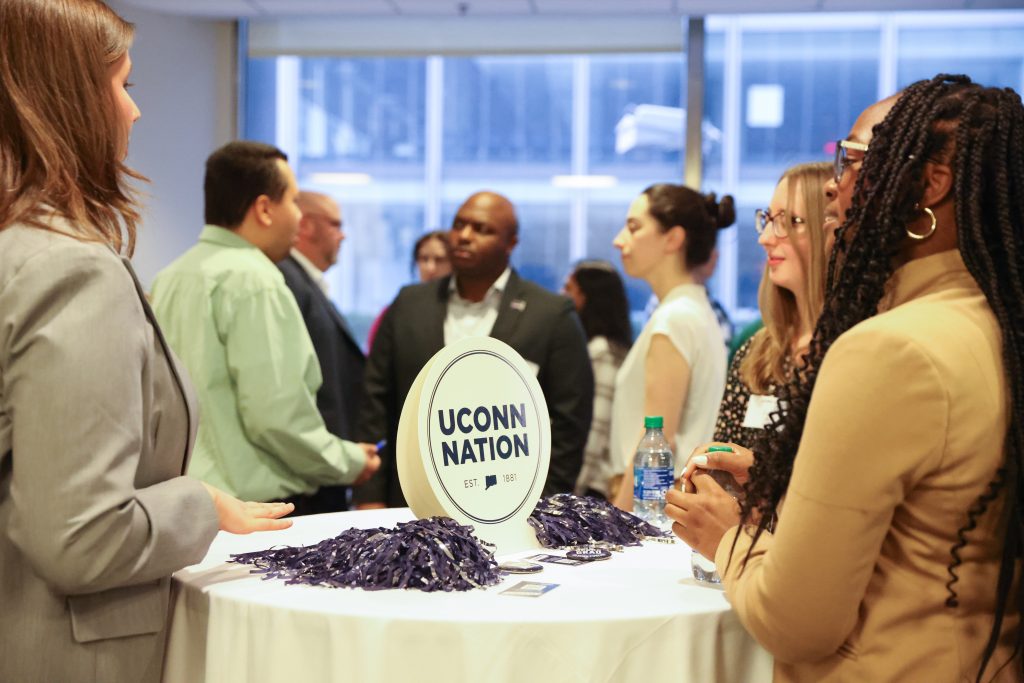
(651, 483)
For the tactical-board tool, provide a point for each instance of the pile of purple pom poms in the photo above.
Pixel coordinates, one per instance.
(438, 553)
(566, 520)
(434, 554)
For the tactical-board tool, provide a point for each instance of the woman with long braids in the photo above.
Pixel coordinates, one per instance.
(881, 529)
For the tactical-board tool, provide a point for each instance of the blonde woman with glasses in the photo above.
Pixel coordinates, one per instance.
(796, 243)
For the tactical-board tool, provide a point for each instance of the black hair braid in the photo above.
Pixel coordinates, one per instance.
(931, 119)
(992, 492)
(991, 227)
(881, 208)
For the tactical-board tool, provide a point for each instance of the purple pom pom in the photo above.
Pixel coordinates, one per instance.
(566, 520)
(435, 554)
(439, 554)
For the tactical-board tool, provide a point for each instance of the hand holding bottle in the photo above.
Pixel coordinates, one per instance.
(701, 518)
(729, 459)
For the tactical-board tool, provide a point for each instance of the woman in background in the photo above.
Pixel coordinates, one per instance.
(431, 259)
(676, 368)
(600, 298)
(97, 419)
(792, 287)
(431, 256)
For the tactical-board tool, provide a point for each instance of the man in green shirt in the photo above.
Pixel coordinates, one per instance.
(227, 313)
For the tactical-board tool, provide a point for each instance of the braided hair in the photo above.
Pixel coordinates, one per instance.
(979, 132)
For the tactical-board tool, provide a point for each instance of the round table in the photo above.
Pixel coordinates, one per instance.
(638, 616)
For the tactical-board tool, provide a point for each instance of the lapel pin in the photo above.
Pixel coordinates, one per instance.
(517, 305)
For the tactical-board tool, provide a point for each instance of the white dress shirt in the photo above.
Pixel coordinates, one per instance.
(473, 318)
(311, 270)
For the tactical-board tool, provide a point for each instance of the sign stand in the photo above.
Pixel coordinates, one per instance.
(474, 441)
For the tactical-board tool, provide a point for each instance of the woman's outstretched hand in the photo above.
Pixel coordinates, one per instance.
(245, 517)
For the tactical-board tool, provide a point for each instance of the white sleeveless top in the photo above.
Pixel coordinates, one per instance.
(689, 322)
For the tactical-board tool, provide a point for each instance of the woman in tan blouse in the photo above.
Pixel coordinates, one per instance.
(894, 554)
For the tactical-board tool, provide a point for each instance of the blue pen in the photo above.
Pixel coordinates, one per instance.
(381, 444)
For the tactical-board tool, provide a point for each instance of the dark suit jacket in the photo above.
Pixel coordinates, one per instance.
(341, 363)
(541, 326)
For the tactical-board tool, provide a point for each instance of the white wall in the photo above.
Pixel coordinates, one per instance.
(184, 71)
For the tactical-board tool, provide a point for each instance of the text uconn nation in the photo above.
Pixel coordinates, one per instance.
(481, 420)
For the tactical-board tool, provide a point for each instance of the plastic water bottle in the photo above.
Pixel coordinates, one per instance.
(652, 474)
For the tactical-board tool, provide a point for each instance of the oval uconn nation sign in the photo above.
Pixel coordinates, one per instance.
(483, 436)
(480, 440)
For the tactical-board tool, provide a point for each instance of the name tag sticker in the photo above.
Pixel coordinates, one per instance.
(759, 407)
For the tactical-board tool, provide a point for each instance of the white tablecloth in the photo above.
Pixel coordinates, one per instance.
(636, 617)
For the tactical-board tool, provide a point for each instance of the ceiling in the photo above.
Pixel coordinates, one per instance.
(540, 8)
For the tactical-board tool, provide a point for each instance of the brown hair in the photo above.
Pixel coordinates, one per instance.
(770, 349)
(700, 215)
(605, 310)
(61, 139)
(439, 235)
(237, 174)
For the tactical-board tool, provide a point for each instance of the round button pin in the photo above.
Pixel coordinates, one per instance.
(589, 554)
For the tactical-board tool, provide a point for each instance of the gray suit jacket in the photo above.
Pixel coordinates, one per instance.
(96, 424)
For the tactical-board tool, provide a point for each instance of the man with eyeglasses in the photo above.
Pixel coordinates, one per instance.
(341, 359)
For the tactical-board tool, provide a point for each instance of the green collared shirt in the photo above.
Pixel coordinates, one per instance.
(227, 313)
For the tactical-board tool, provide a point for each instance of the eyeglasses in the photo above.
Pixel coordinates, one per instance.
(762, 219)
(842, 161)
(331, 222)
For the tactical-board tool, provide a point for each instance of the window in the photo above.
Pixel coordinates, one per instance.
(573, 139)
(782, 87)
(779, 92)
(401, 143)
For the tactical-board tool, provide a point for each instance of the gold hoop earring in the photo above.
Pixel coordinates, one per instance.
(915, 236)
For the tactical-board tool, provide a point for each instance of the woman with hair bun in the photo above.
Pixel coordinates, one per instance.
(677, 365)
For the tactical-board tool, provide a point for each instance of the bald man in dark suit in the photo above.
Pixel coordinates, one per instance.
(341, 359)
(484, 296)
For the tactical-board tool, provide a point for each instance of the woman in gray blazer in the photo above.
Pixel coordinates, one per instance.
(97, 418)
